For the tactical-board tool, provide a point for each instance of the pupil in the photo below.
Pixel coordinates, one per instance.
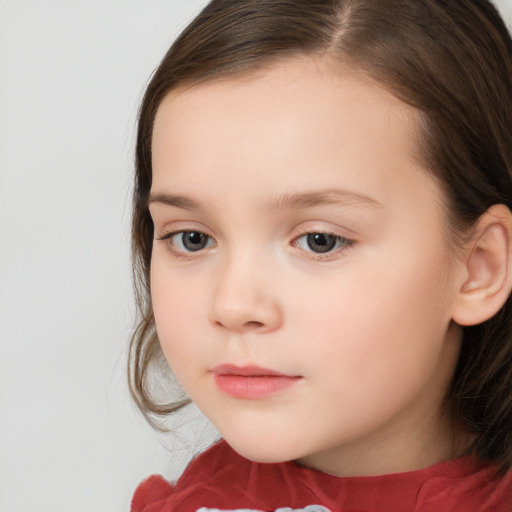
(193, 240)
(320, 242)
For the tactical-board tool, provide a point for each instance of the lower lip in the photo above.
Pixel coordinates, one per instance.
(253, 387)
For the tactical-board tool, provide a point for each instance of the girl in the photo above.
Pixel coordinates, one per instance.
(322, 237)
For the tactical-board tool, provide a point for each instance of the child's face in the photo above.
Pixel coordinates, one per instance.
(314, 247)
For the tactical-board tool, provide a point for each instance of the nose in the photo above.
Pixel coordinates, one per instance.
(244, 298)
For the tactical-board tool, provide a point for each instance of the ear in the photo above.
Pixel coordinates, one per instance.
(486, 280)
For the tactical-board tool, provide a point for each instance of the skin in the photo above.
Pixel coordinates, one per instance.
(367, 327)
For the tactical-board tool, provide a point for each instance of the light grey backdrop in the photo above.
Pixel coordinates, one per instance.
(71, 76)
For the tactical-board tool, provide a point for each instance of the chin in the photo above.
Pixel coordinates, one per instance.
(258, 451)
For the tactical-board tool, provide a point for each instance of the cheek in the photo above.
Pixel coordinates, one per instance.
(176, 309)
(372, 354)
(376, 319)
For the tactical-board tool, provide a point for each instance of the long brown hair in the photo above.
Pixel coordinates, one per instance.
(451, 60)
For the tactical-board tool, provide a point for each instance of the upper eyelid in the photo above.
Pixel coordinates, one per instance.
(318, 232)
(299, 233)
(327, 227)
(169, 234)
(340, 232)
(179, 226)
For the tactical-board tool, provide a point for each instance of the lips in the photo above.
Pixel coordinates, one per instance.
(251, 382)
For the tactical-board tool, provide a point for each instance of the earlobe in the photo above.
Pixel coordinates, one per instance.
(487, 278)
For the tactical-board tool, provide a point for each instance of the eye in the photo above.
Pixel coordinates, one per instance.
(188, 241)
(321, 242)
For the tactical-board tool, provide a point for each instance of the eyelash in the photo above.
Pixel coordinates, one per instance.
(340, 241)
(179, 253)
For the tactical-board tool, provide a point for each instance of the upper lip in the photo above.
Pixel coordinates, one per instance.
(247, 371)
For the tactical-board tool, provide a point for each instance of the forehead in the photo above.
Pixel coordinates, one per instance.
(302, 91)
(292, 124)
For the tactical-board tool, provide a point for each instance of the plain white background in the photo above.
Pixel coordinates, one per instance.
(71, 75)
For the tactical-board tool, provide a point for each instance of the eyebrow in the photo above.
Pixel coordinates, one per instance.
(299, 200)
(321, 197)
(178, 201)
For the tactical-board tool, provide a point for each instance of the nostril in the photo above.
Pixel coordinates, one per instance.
(252, 325)
(248, 326)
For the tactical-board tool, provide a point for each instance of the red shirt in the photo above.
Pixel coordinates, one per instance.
(221, 479)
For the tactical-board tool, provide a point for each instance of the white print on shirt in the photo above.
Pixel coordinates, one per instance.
(309, 508)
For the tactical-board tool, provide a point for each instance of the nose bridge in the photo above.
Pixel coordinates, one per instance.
(243, 298)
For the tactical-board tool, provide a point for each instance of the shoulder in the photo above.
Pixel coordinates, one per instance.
(149, 491)
(206, 475)
(496, 491)
(480, 489)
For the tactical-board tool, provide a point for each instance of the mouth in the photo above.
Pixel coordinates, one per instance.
(251, 382)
